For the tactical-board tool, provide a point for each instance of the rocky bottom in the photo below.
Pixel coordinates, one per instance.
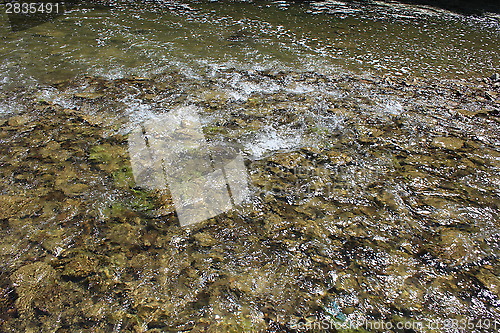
(373, 199)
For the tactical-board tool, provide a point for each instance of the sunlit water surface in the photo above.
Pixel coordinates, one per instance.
(371, 146)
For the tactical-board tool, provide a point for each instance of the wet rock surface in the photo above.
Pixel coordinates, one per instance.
(372, 197)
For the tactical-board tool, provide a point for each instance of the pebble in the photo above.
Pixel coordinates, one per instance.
(205, 239)
(18, 120)
(448, 143)
(89, 95)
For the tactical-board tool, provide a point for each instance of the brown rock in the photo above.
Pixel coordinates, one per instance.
(205, 239)
(10, 205)
(79, 267)
(18, 120)
(448, 143)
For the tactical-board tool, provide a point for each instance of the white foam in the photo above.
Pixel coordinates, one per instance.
(393, 107)
(269, 140)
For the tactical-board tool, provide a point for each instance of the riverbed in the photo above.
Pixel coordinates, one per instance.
(369, 134)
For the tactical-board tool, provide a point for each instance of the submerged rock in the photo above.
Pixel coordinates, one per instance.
(10, 205)
(89, 95)
(490, 281)
(339, 158)
(79, 267)
(456, 248)
(448, 143)
(33, 282)
(205, 239)
(18, 120)
(45, 303)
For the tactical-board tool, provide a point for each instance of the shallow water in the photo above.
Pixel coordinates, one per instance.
(369, 135)
(142, 39)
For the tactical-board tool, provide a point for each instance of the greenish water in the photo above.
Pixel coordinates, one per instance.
(371, 140)
(143, 39)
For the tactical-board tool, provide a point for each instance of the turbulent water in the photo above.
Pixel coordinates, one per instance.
(143, 39)
(370, 134)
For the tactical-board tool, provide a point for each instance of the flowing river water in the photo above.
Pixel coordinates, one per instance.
(369, 131)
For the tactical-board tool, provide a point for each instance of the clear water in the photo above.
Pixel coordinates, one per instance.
(143, 39)
(372, 148)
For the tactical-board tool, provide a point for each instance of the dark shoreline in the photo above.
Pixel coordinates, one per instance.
(478, 7)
